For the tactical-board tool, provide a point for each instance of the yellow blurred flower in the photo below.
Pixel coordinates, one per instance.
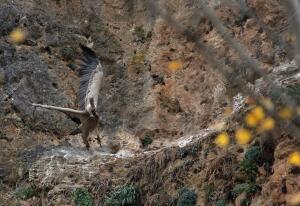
(286, 113)
(251, 120)
(267, 124)
(17, 35)
(175, 65)
(294, 158)
(256, 115)
(222, 140)
(258, 112)
(243, 136)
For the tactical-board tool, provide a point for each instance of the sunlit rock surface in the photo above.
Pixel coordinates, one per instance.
(157, 124)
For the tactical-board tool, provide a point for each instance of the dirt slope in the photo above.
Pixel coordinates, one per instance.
(155, 121)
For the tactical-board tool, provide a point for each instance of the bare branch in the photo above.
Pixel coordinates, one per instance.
(294, 7)
(220, 66)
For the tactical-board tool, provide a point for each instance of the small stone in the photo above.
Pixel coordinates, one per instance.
(30, 42)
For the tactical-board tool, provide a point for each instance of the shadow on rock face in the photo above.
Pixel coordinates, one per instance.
(9, 18)
(28, 81)
(3, 173)
(6, 53)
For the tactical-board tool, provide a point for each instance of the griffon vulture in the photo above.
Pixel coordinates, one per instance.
(91, 75)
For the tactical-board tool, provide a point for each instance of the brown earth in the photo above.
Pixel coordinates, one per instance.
(141, 100)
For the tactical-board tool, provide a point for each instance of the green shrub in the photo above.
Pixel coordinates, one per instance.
(14, 204)
(141, 35)
(71, 66)
(139, 31)
(68, 53)
(82, 197)
(146, 140)
(249, 168)
(292, 90)
(186, 198)
(246, 202)
(195, 149)
(249, 165)
(99, 27)
(221, 203)
(253, 154)
(248, 188)
(209, 190)
(123, 196)
(26, 192)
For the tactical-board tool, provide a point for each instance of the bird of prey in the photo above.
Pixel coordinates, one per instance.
(91, 75)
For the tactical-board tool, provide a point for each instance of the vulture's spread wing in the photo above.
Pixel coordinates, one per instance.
(70, 112)
(90, 78)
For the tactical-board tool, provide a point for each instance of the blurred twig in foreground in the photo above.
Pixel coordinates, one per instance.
(220, 66)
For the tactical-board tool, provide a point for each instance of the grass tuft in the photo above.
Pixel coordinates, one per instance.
(123, 196)
(26, 192)
(248, 188)
(82, 197)
(186, 198)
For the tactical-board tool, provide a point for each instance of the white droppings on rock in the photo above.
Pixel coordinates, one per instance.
(186, 140)
(285, 67)
(183, 141)
(238, 102)
(124, 153)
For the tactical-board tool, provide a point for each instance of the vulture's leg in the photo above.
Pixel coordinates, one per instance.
(98, 136)
(85, 135)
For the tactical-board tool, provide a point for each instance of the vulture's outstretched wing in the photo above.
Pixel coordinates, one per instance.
(79, 114)
(91, 75)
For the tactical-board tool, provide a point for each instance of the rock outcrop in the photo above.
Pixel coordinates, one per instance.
(157, 121)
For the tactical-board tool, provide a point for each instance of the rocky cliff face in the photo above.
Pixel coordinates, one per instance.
(155, 120)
